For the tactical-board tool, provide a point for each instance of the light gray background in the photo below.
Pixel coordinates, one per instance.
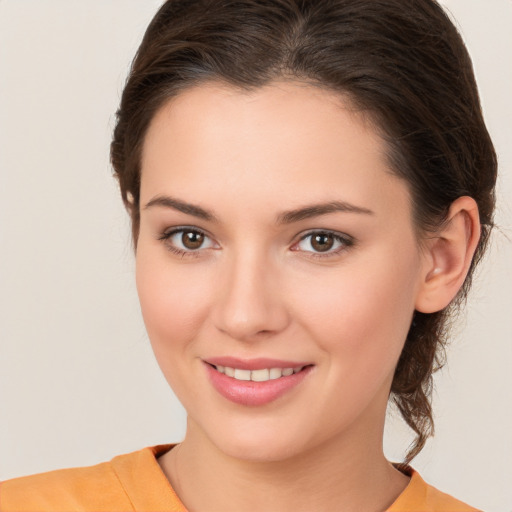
(78, 382)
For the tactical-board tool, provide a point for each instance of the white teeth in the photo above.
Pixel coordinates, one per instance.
(275, 373)
(242, 374)
(262, 375)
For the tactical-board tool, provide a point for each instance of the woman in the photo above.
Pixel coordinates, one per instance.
(311, 185)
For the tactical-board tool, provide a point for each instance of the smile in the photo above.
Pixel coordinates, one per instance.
(256, 382)
(261, 375)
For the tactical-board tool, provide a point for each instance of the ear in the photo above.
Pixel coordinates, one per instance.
(448, 256)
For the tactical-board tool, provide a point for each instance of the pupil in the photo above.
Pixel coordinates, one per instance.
(322, 242)
(192, 240)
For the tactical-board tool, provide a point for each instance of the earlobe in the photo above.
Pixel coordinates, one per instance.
(448, 256)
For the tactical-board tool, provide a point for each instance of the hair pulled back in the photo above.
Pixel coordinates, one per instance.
(400, 61)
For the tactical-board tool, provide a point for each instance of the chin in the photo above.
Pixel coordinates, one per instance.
(273, 451)
(260, 443)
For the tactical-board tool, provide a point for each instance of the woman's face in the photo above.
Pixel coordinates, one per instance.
(273, 236)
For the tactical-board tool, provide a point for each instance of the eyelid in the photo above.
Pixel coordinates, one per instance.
(176, 229)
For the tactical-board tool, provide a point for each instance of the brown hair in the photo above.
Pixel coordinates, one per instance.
(401, 61)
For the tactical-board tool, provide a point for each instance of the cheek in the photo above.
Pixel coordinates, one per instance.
(172, 304)
(363, 312)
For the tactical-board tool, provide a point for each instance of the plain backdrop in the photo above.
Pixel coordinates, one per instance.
(78, 382)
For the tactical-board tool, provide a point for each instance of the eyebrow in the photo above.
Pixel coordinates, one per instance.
(286, 217)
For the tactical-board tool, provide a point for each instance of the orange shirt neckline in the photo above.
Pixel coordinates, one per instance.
(140, 470)
(135, 481)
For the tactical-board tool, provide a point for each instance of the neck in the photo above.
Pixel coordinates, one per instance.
(358, 477)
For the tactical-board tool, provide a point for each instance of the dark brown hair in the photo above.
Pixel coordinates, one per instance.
(400, 61)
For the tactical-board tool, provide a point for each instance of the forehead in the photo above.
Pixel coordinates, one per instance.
(285, 142)
(282, 110)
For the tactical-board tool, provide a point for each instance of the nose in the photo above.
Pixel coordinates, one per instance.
(250, 305)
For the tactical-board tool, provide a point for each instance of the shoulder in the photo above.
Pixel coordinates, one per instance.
(108, 486)
(65, 489)
(422, 497)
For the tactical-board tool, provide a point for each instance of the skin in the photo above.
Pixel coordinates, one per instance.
(255, 289)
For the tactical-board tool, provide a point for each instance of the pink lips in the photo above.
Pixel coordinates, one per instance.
(251, 393)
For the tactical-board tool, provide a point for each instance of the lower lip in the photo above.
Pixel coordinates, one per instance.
(247, 392)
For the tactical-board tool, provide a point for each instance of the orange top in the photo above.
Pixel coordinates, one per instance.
(135, 482)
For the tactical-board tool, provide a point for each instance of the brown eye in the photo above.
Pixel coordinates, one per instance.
(187, 241)
(322, 242)
(192, 239)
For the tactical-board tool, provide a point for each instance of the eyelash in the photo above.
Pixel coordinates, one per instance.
(345, 240)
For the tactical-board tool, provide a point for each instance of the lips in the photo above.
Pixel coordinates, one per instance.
(255, 382)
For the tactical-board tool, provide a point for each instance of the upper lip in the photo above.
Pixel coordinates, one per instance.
(259, 363)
